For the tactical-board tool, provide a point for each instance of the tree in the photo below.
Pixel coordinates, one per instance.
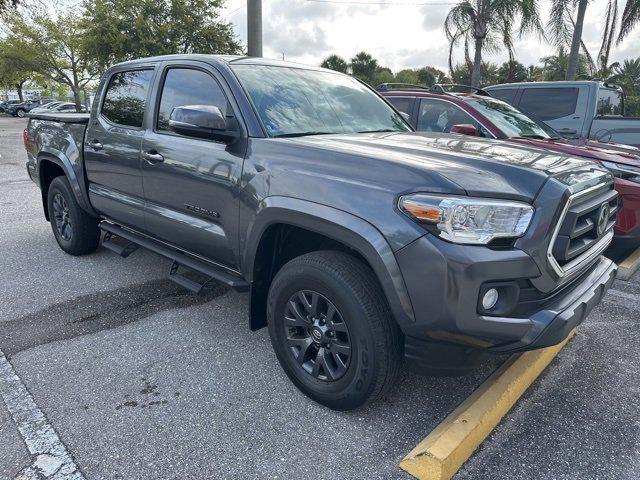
(630, 18)
(383, 75)
(555, 66)
(512, 71)
(430, 76)
(463, 72)
(55, 50)
(407, 75)
(335, 62)
(364, 66)
(534, 74)
(117, 30)
(488, 24)
(16, 64)
(627, 75)
(605, 70)
(6, 4)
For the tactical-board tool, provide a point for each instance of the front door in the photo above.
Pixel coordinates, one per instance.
(112, 149)
(191, 184)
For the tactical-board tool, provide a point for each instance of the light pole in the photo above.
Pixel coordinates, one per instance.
(254, 28)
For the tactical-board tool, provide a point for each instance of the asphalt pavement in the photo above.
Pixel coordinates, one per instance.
(141, 380)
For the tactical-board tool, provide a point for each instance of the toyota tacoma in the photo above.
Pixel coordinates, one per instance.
(361, 242)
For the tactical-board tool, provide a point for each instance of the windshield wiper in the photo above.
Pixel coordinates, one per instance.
(536, 137)
(379, 131)
(301, 134)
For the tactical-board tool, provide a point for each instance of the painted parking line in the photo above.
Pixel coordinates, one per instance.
(629, 266)
(51, 458)
(441, 454)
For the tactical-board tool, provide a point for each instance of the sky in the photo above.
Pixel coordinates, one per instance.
(399, 33)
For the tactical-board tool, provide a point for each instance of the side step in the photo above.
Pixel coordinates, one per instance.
(133, 240)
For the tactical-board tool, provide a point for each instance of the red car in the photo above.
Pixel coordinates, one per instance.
(479, 114)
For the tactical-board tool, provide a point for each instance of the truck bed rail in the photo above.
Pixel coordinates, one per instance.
(61, 117)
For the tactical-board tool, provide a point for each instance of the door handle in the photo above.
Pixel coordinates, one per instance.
(95, 145)
(153, 157)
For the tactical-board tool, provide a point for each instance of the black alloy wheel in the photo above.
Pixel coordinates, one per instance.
(317, 335)
(62, 217)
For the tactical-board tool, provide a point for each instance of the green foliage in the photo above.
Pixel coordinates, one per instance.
(554, 67)
(430, 75)
(364, 67)
(462, 73)
(383, 75)
(117, 30)
(512, 71)
(627, 75)
(335, 62)
(17, 63)
(630, 18)
(488, 25)
(632, 106)
(407, 76)
(53, 49)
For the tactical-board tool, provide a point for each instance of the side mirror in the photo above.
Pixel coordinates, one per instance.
(202, 121)
(465, 129)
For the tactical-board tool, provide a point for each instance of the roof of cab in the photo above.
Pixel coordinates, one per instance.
(218, 59)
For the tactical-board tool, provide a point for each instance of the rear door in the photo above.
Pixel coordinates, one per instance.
(112, 147)
(191, 185)
(563, 107)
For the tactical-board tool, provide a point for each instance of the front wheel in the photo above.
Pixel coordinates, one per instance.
(75, 230)
(332, 331)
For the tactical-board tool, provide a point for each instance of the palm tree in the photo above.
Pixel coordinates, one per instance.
(605, 70)
(364, 66)
(335, 62)
(630, 18)
(627, 75)
(565, 31)
(488, 24)
(554, 67)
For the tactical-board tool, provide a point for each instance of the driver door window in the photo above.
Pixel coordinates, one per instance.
(439, 116)
(183, 86)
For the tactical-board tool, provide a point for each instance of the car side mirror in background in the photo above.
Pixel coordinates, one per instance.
(202, 121)
(465, 129)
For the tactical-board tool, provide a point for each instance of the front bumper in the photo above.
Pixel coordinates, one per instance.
(445, 280)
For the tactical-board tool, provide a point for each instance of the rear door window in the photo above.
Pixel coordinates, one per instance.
(549, 103)
(609, 102)
(126, 97)
(505, 94)
(402, 104)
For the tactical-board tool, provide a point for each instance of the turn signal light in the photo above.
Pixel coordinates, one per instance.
(25, 138)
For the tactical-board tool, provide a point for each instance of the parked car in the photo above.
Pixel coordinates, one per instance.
(478, 114)
(22, 108)
(580, 110)
(359, 240)
(4, 106)
(45, 107)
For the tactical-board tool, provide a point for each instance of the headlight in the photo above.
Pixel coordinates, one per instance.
(468, 220)
(626, 172)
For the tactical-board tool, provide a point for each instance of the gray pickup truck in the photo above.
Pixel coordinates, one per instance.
(361, 242)
(581, 110)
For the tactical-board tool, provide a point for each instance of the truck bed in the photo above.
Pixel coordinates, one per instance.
(61, 117)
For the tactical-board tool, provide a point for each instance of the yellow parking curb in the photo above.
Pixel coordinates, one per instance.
(629, 265)
(445, 449)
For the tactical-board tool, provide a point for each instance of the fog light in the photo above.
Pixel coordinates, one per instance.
(490, 299)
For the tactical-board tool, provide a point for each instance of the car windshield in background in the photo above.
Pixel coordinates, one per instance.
(296, 102)
(511, 121)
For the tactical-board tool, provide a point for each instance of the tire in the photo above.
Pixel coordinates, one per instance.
(329, 373)
(20, 113)
(76, 232)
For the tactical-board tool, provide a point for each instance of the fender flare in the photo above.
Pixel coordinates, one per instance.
(343, 227)
(74, 175)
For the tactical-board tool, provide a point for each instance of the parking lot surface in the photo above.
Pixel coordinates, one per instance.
(142, 380)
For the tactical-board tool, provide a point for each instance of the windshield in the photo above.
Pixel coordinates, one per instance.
(296, 102)
(511, 121)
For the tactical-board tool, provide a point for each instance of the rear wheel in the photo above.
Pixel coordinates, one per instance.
(332, 331)
(20, 112)
(76, 231)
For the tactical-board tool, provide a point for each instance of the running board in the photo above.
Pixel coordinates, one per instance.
(179, 259)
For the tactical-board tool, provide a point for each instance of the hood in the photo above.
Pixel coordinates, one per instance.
(591, 149)
(481, 167)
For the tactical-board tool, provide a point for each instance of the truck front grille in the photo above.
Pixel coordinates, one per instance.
(585, 227)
